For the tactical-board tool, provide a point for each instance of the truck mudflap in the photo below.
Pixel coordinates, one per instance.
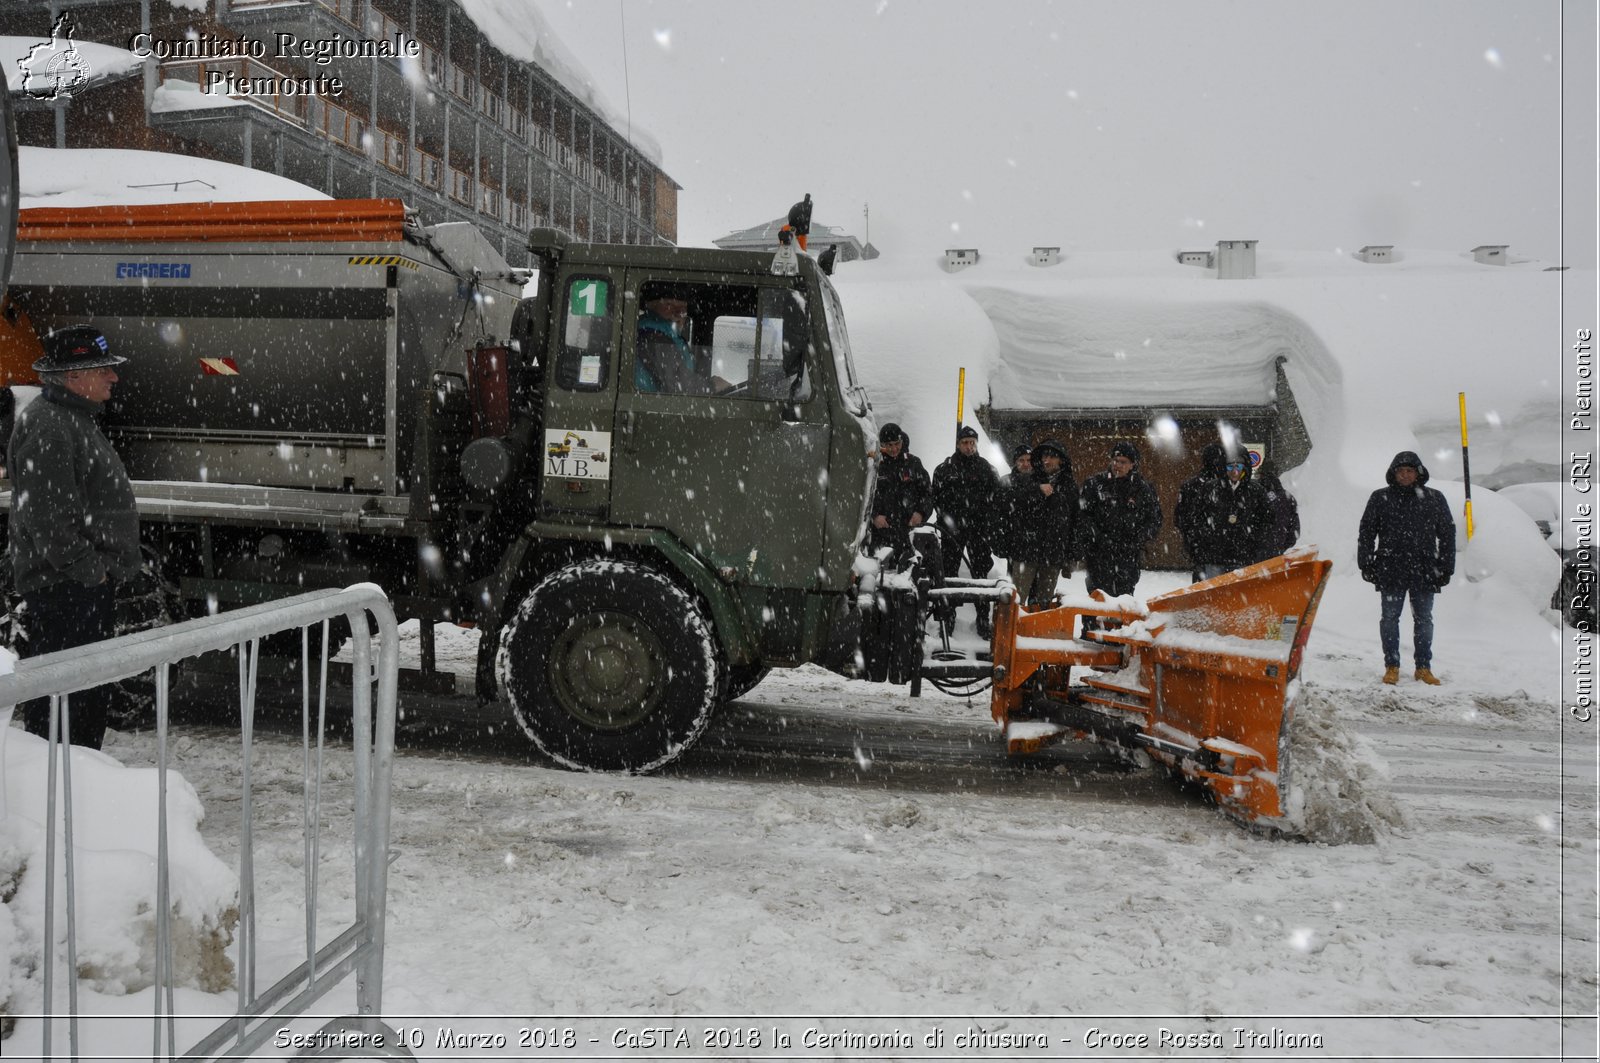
(1203, 679)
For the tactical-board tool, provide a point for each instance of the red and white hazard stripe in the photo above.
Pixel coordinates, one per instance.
(219, 366)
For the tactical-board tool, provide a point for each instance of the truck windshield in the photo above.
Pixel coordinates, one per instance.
(845, 368)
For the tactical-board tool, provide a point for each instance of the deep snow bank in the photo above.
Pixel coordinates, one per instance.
(114, 835)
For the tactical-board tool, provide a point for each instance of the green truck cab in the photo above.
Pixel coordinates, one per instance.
(643, 478)
(689, 529)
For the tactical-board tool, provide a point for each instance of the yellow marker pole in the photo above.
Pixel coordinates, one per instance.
(1466, 469)
(961, 399)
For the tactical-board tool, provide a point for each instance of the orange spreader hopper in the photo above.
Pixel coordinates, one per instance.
(268, 221)
(1204, 682)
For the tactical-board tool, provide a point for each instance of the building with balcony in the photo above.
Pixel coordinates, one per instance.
(410, 99)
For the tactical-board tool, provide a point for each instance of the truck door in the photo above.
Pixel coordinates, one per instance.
(720, 436)
(581, 393)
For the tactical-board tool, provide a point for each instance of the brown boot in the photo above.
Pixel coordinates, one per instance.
(1391, 675)
(1424, 675)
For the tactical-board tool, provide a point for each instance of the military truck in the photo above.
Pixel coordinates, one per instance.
(324, 393)
(642, 474)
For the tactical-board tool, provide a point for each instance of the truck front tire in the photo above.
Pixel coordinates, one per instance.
(610, 666)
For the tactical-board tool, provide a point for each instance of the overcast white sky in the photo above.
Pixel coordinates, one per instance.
(1100, 125)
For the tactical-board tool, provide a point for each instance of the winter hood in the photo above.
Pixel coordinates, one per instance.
(1406, 457)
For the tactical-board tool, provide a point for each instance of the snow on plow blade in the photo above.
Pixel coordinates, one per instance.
(1202, 678)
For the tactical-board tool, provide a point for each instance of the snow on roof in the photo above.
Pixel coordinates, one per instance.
(518, 29)
(187, 96)
(92, 177)
(1375, 359)
(104, 62)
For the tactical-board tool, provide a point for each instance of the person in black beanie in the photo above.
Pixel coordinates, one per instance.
(903, 499)
(964, 488)
(1118, 516)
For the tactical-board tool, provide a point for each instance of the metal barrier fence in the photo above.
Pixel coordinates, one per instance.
(358, 946)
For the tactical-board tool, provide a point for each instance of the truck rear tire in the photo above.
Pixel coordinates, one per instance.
(610, 666)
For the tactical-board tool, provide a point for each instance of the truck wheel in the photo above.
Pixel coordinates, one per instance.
(610, 666)
(743, 678)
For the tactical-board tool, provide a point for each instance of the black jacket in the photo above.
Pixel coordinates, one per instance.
(1285, 514)
(73, 515)
(1043, 524)
(1234, 524)
(964, 490)
(1407, 539)
(1186, 514)
(902, 490)
(1117, 517)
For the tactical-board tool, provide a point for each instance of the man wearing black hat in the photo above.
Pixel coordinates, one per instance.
(964, 491)
(74, 525)
(903, 498)
(1118, 515)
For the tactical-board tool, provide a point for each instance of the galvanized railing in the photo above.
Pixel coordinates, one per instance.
(358, 946)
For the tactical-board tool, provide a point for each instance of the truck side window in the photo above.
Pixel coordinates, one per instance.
(584, 362)
(723, 340)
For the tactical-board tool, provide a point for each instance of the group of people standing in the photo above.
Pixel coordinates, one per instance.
(1043, 521)
(1229, 514)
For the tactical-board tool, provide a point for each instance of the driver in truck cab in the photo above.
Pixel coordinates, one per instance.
(663, 361)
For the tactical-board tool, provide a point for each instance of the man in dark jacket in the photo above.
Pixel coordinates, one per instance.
(1186, 514)
(1118, 515)
(964, 491)
(1046, 507)
(1234, 522)
(1285, 512)
(903, 499)
(800, 220)
(1002, 532)
(1407, 546)
(74, 525)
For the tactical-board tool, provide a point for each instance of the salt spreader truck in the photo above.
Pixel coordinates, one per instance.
(321, 393)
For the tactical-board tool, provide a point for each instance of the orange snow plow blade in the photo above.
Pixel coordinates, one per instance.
(1202, 678)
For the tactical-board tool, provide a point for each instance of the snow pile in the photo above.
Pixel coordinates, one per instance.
(114, 828)
(911, 335)
(1339, 787)
(98, 177)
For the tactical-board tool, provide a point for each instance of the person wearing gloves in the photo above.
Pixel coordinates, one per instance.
(1406, 547)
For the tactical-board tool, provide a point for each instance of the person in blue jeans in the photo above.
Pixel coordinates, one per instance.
(1407, 549)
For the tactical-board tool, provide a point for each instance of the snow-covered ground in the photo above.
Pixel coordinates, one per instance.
(835, 850)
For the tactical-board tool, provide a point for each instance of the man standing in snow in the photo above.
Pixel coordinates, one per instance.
(964, 491)
(903, 498)
(1003, 518)
(1285, 512)
(1234, 521)
(1186, 514)
(1407, 546)
(1046, 507)
(74, 525)
(1118, 515)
